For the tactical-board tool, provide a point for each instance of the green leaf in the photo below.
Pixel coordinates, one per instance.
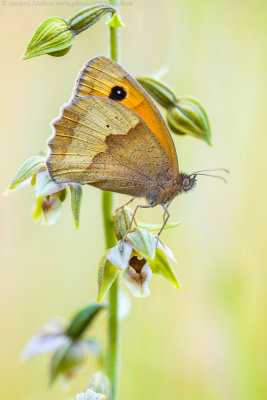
(157, 227)
(107, 274)
(76, 199)
(99, 383)
(28, 169)
(115, 21)
(143, 243)
(82, 320)
(163, 94)
(53, 35)
(161, 266)
(88, 16)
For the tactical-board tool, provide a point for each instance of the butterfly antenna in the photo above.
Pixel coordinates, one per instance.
(213, 176)
(214, 169)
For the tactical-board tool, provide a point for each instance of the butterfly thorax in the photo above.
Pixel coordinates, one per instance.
(165, 191)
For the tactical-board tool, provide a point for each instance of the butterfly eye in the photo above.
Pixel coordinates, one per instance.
(186, 182)
(117, 93)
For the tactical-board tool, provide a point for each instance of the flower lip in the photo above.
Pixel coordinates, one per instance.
(137, 264)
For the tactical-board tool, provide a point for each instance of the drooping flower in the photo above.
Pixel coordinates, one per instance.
(49, 195)
(138, 254)
(66, 343)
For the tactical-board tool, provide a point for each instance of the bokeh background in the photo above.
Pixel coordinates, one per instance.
(208, 341)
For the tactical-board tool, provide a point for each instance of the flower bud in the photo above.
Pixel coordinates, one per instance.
(123, 218)
(189, 117)
(52, 37)
(158, 90)
(85, 18)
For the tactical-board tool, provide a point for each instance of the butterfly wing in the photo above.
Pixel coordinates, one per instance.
(103, 77)
(103, 143)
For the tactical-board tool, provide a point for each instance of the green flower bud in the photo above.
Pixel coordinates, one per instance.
(60, 53)
(85, 18)
(189, 117)
(52, 37)
(123, 218)
(159, 91)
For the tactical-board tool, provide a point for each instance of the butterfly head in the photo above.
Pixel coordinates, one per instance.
(188, 182)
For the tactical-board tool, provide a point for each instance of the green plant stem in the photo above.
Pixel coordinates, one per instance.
(107, 203)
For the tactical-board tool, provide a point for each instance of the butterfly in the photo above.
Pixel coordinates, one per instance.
(112, 136)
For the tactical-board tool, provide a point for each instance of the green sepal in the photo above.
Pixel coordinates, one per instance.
(161, 266)
(76, 199)
(27, 169)
(38, 209)
(65, 360)
(157, 227)
(115, 21)
(100, 383)
(107, 274)
(189, 117)
(60, 53)
(53, 35)
(143, 242)
(82, 320)
(87, 17)
(158, 90)
(57, 360)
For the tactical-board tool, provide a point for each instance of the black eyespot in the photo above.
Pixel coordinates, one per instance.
(117, 93)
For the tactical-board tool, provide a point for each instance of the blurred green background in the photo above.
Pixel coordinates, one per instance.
(208, 341)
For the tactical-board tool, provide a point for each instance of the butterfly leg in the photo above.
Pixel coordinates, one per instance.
(132, 220)
(128, 202)
(166, 212)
